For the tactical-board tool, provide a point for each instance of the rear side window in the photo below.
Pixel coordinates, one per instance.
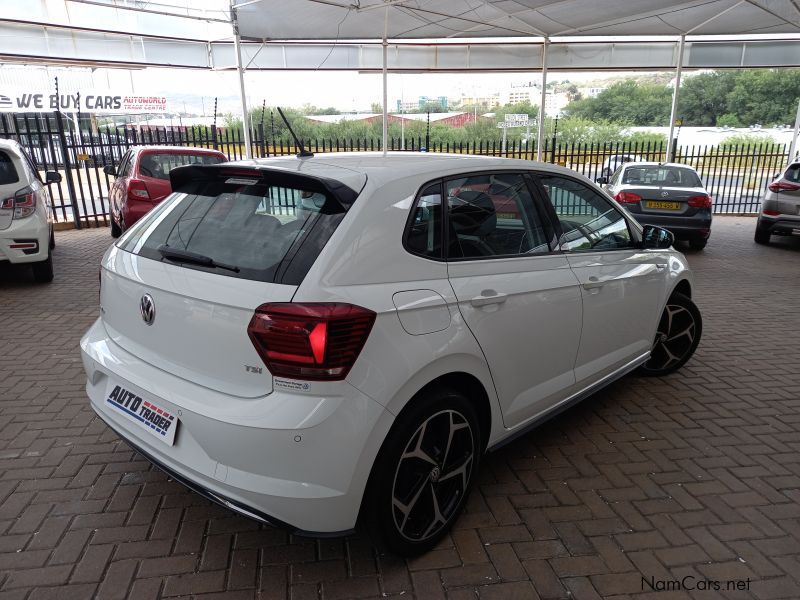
(159, 165)
(793, 173)
(250, 228)
(424, 233)
(8, 173)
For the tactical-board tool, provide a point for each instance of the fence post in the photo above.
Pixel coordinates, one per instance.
(262, 143)
(214, 137)
(73, 197)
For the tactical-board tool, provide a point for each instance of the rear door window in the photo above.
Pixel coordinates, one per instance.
(8, 172)
(158, 165)
(252, 229)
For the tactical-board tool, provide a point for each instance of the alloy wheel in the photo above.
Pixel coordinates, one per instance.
(433, 475)
(674, 338)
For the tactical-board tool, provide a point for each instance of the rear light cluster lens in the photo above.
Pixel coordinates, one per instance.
(314, 341)
(627, 198)
(783, 186)
(770, 212)
(137, 190)
(23, 206)
(700, 201)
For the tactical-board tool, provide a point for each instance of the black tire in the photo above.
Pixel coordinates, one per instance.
(52, 239)
(698, 243)
(43, 271)
(677, 336)
(761, 236)
(116, 230)
(420, 482)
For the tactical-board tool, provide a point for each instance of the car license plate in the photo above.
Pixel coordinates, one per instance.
(145, 414)
(662, 205)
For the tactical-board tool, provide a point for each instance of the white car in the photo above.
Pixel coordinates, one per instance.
(26, 222)
(613, 162)
(307, 341)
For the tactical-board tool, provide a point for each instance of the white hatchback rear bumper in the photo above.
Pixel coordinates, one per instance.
(293, 458)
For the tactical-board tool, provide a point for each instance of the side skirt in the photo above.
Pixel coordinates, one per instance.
(571, 401)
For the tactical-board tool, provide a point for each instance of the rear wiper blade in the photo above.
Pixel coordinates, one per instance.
(185, 256)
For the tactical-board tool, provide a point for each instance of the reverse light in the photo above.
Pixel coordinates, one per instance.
(700, 201)
(317, 341)
(627, 198)
(783, 186)
(137, 190)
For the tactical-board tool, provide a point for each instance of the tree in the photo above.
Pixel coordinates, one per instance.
(376, 107)
(626, 103)
(704, 98)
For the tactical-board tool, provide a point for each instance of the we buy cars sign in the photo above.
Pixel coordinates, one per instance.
(87, 101)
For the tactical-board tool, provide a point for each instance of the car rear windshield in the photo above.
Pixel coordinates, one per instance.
(159, 165)
(662, 176)
(8, 173)
(250, 229)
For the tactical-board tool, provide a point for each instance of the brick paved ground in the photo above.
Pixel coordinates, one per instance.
(697, 474)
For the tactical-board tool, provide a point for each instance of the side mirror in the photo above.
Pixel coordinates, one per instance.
(601, 180)
(656, 238)
(110, 170)
(52, 177)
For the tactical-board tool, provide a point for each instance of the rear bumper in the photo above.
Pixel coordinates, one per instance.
(289, 458)
(28, 230)
(683, 228)
(780, 225)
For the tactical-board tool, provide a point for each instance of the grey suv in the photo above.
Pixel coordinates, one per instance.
(780, 206)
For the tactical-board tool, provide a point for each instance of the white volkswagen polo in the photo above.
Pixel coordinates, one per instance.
(310, 340)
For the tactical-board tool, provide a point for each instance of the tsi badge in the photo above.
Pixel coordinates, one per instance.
(147, 308)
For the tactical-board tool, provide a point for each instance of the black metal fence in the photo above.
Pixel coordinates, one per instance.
(736, 176)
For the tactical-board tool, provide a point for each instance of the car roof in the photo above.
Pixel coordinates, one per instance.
(658, 164)
(7, 144)
(174, 149)
(395, 165)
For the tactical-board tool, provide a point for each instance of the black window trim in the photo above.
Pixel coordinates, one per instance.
(551, 211)
(410, 218)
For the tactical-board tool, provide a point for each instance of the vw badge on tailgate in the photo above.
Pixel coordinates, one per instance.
(148, 309)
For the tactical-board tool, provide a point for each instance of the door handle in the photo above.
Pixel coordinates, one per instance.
(488, 297)
(593, 283)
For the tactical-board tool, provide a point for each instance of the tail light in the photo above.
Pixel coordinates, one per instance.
(314, 341)
(23, 205)
(783, 186)
(627, 198)
(700, 201)
(770, 212)
(137, 190)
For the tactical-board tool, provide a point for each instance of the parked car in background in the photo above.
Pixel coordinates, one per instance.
(309, 340)
(613, 162)
(142, 179)
(780, 206)
(26, 218)
(667, 195)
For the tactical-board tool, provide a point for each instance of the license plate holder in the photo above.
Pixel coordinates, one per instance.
(143, 413)
(662, 204)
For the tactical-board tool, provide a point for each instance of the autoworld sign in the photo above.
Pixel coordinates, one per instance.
(92, 101)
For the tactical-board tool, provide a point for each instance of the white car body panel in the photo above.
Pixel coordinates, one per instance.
(301, 452)
(34, 227)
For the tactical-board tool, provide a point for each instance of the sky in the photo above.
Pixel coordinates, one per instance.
(346, 91)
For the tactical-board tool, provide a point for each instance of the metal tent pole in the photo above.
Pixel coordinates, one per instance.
(673, 114)
(793, 147)
(385, 132)
(540, 132)
(248, 150)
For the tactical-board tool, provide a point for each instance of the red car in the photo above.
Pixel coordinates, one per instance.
(142, 180)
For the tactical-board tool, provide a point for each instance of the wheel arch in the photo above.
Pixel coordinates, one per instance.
(683, 287)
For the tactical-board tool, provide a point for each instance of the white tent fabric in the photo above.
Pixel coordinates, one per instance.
(438, 19)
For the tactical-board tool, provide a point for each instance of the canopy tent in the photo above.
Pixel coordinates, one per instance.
(403, 36)
(441, 19)
(431, 20)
